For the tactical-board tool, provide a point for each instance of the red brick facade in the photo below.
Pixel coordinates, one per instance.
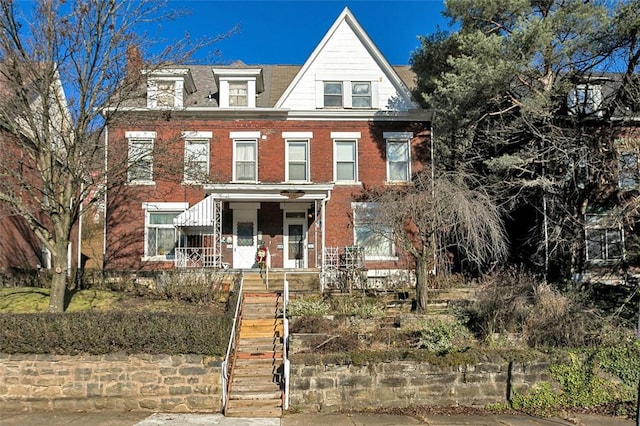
(126, 216)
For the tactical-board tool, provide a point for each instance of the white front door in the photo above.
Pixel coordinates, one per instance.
(295, 240)
(244, 238)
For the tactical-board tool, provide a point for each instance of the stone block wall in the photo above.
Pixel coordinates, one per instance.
(178, 383)
(192, 383)
(405, 383)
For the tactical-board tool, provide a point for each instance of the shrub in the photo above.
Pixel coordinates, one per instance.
(357, 306)
(108, 332)
(582, 384)
(436, 335)
(307, 306)
(503, 303)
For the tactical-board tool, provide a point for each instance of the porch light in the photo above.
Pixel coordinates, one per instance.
(292, 195)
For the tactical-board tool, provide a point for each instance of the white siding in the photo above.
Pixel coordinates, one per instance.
(344, 57)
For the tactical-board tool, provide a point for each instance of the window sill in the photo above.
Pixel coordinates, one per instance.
(397, 182)
(192, 183)
(158, 258)
(141, 183)
(380, 258)
(347, 182)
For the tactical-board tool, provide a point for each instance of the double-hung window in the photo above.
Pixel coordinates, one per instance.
(160, 232)
(629, 170)
(604, 238)
(586, 99)
(196, 156)
(245, 156)
(140, 157)
(333, 94)
(297, 157)
(361, 94)
(238, 94)
(398, 156)
(372, 232)
(345, 156)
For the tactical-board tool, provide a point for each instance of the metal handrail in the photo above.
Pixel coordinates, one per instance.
(285, 332)
(285, 343)
(231, 346)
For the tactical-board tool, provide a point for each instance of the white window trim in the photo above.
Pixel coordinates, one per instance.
(178, 92)
(238, 138)
(132, 135)
(196, 136)
(364, 205)
(347, 100)
(594, 103)
(345, 137)
(605, 222)
(398, 137)
(225, 92)
(153, 207)
(307, 142)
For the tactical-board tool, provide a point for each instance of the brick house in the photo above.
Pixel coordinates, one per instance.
(21, 184)
(221, 160)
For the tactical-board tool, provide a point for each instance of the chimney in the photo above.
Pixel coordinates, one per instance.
(134, 62)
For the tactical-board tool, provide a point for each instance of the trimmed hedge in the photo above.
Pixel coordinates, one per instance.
(110, 332)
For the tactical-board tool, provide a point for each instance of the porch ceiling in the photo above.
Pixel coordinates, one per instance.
(268, 192)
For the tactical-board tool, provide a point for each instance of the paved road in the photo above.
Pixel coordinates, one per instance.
(160, 419)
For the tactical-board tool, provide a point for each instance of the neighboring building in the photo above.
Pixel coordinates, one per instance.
(612, 223)
(21, 193)
(219, 160)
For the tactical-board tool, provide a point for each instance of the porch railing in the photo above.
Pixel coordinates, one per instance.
(199, 257)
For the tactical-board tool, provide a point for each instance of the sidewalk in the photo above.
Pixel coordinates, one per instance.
(162, 419)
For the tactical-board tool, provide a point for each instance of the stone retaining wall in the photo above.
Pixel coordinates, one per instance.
(192, 383)
(400, 384)
(179, 383)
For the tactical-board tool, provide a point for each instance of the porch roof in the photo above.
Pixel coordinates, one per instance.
(268, 192)
(200, 214)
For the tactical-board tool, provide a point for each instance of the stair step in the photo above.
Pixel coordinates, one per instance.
(255, 396)
(258, 355)
(251, 411)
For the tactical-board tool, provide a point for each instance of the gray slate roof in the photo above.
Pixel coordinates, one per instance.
(276, 80)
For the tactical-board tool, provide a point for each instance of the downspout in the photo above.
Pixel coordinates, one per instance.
(324, 239)
(104, 214)
(80, 228)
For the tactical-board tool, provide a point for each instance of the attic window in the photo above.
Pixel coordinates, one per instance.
(333, 94)
(585, 99)
(165, 93)
(167, 88)
(238, 87)
(361, 94)
(238, 93)
(348, 94)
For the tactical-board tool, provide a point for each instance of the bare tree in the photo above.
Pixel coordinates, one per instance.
(434, 218)
(81, 48)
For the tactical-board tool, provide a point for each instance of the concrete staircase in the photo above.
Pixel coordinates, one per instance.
(256, 378)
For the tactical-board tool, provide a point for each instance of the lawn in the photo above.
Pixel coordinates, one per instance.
(23, 300)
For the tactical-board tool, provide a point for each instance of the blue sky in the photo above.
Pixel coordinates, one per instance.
(286, 32)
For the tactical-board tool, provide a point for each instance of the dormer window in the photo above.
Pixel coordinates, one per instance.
(238, 87)
(166, 94)
(585, 99)
(238, 93)
(167, 88)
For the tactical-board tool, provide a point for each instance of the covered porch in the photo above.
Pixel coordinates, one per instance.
(226, 228)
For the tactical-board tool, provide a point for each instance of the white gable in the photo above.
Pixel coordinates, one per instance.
(346, 54)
